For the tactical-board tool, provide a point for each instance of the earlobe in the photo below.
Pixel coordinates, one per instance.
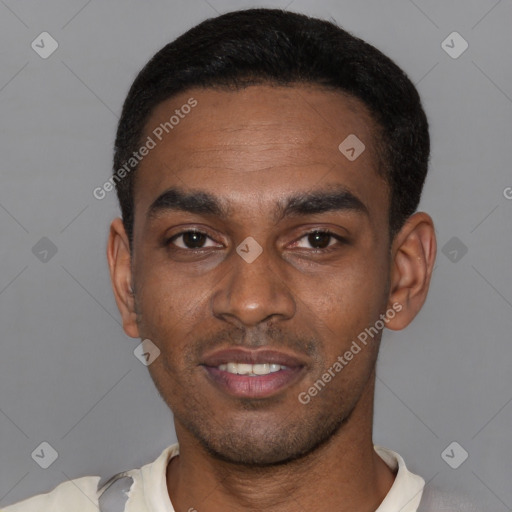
(413, 256)
(119, 262)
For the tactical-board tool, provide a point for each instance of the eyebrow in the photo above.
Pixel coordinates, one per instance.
(329, 199)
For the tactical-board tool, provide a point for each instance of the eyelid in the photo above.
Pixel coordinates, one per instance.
(170, 239)
(326, 231)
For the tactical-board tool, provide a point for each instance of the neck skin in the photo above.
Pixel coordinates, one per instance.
(343, 475)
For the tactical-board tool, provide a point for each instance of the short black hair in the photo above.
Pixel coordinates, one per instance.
(273, 46)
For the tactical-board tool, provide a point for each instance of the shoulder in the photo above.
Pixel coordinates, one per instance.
(91, 494)
(78, 494)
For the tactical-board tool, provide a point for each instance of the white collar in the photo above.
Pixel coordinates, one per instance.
(404, 495)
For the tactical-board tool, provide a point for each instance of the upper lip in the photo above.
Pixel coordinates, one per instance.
(260, 356)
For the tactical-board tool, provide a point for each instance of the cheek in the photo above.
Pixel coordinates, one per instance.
(166, 297)
(168, 313)
(347, 298)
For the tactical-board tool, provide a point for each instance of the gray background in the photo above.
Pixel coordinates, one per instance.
(68, 375)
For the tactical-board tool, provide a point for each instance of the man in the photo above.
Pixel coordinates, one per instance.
(268, 167)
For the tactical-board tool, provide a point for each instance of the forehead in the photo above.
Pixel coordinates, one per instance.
(258, 143)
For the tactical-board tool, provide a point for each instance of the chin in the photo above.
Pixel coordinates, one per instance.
(254, 446)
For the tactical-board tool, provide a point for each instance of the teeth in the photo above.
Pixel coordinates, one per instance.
(252, 370)
(261, 369)
(244, 369)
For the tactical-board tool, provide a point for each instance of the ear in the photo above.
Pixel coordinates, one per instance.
(119, 262)
(413, 255)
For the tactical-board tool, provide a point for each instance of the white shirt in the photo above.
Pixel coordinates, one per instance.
(146, 490)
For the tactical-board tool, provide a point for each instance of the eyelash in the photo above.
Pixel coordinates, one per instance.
(329, 248)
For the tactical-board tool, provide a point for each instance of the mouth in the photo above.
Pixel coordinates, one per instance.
(253, 373)
(252, 370)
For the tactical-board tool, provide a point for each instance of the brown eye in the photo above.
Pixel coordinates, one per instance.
(320, 239)
(191, 239)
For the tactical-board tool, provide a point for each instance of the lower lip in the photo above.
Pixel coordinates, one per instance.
(260, 386)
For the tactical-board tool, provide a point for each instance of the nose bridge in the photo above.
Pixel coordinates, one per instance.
(254, 289)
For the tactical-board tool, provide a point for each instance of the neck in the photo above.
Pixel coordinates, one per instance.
(342, 475)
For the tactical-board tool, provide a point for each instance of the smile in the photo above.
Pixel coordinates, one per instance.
(244, 373)
(252, 370)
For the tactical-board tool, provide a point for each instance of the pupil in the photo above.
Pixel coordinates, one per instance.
(316, 238)
(313, 239)
(191, 237)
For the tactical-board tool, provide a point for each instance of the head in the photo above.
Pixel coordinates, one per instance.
(296, 154)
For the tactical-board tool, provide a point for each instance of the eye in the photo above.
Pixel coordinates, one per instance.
(190, 239)
(320, 238)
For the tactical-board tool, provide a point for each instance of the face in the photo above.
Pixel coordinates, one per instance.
(258, 242)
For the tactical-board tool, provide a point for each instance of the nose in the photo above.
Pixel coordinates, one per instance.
(253, 292)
